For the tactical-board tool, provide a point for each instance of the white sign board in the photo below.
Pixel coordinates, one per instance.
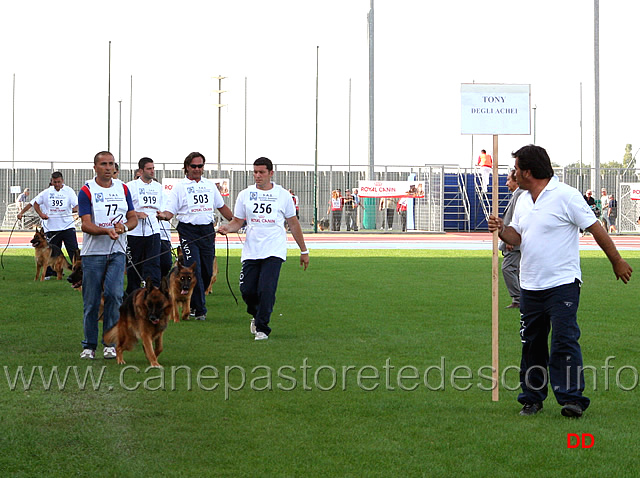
(495, 109)
(15, 189)
(391, 189)
(634, 191)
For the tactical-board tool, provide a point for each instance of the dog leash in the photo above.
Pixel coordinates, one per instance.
(227, 272)
(8, 242)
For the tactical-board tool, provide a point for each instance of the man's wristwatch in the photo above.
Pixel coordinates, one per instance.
(126, 229)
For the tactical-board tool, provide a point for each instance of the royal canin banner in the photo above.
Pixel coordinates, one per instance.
(635, 191)
(391, 189)
(223, 184)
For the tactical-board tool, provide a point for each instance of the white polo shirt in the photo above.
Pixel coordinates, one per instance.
(147, 198)
(265, 213)
(194, 202)
(549, 229)
(58, 205)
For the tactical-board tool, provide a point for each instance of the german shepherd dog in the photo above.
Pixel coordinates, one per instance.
(75, 278)
(48, 255)
(182, 281)
(144, 315)
(214, 276)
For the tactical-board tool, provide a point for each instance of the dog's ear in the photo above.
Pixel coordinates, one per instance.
(149, 284)
(192, 267)
(164, 286)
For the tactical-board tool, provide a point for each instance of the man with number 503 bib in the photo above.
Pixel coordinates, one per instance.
(264, 206)
(193, 201)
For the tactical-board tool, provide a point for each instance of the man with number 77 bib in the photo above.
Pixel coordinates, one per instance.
(264, 206)
(193, 200)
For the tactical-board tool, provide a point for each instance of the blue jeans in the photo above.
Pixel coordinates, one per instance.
(100, 272)
(258, 284)
(553, 309)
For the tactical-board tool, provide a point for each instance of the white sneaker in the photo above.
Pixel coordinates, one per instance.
(88, 354)
(48, 278)
(252, 327)
(109, 352)
(261, 336)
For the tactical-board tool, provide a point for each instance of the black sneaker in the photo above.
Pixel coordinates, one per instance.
(572, 410)
(531, 408)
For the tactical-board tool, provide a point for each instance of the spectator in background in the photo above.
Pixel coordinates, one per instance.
(350, 211)
(486, 164)
(296, 203)
(612, 214)
(604, 207)
(358, 204)
(22, 199)
(402, 211)
(335, 208)
(389, 206)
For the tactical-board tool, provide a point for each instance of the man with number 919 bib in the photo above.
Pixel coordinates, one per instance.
(264, 206)
(193, 201)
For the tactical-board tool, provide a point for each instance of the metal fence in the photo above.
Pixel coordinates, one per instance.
(300, 179)
(429, 212)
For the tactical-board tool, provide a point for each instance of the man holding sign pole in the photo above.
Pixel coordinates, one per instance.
(545, 225)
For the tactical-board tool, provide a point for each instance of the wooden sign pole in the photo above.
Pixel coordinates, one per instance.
(495, 266)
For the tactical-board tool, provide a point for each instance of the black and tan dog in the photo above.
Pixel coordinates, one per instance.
(144, 315)
(75, 278)
(214, 275)
(48, 255)
(182, 281)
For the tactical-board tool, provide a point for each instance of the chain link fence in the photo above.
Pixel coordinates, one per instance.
(301, 179)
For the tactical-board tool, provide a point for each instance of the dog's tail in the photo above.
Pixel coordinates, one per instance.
(111, 337)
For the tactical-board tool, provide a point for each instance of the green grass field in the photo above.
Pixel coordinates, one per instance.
(337, 390)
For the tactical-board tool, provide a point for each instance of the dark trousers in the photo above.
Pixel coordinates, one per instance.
(68, 236)
(553, 309)
(390, 218)
(336, 219)
(166, 259)
(403, 220)
(258, 284)
(350, 219)
(199, 247)
(145, 256)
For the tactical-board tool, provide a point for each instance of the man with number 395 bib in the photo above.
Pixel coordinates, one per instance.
(264, 206)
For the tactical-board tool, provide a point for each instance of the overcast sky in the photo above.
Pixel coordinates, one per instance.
(423, 51)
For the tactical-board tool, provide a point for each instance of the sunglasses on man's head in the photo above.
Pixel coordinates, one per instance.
(197, 166)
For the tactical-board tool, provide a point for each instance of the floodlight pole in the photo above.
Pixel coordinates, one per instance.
(109, 103)
(315, 171)
(120, 134)
(130, 119)
(219, 105)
